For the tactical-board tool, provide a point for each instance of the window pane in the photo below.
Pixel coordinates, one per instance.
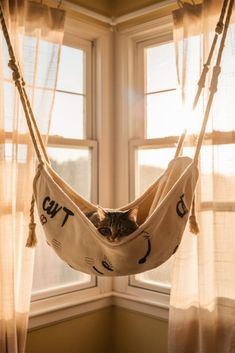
(50, 271)
(158, 276)
(164, 115)
(219, 226)
(71, 70)
(218, 173)
(224, 101)
(9, 99)
(29, 58)
(44, 76)
(74, 166)
(17, 152)
(6, 70)
(42, 110)
(150, 165)
(68, 116)
(161, 69)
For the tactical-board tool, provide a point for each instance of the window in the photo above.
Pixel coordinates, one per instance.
(153, 152)
(73, 157)
(71, 149)
(163, 124)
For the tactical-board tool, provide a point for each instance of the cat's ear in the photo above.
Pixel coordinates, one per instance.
(132, 214)
(101, 213)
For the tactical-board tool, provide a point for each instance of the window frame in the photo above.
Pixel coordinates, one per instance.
(144, 143)
(52, 305)
(55, 141)
(159, 31)
(137, 140)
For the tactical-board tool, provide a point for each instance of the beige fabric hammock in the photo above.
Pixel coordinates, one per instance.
(163, 210)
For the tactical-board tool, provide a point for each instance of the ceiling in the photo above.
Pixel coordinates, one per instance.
(114, 8)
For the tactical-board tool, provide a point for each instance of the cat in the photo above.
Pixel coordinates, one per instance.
(114, 224)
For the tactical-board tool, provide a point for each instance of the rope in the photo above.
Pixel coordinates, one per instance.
(218, 31)
(31, 122)
(19, 83)
(201, 83)
(193, 225)
(214, 81)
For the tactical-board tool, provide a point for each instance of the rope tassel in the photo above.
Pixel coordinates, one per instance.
(193, 225)
(32, 238)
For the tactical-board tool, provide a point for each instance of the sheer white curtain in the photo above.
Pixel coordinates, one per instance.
(36, 34)
(202, 305)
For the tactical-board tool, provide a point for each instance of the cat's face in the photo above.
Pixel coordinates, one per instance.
(117, 224)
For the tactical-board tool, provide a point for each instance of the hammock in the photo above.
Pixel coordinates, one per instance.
(163, 209)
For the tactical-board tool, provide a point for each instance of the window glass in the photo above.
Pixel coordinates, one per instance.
(160, 276)
(150, 165)
(50, 272)
(71, 70)
(160, 68)
(164, 114)
(218, 173)
(74, 166)
(71, 161)
(165, 117)
(68, 116)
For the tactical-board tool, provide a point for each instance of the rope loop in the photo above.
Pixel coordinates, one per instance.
(15, 71)
(219, 27)
(16, 75)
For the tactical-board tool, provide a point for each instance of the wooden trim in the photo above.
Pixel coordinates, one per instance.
(216, 206)
(155, 309)
(50, 311)
(211, 138)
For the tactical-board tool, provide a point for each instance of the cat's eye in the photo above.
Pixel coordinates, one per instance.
(105, 231)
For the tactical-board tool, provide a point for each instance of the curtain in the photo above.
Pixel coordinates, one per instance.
(202, 303)
(36, 33)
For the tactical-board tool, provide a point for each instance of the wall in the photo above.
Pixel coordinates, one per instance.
(90, 333)
(110, 330)
(114, 8)
(123, 7)
(102, 7)
(137, 333)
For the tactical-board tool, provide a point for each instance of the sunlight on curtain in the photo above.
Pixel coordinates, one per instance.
(202, 307)
(36, 33)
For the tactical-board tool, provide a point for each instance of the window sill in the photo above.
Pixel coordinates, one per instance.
(153, 308)
(64, 307)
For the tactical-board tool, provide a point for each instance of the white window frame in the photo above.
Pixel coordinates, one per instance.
(152, 299)
(61, 142)
(70, 300)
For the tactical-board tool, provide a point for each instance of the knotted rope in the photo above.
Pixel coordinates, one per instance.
(30, 119)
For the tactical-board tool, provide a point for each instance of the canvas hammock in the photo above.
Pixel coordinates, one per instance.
(163, 209)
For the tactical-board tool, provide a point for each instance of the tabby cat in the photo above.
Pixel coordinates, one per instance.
(114, 224)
